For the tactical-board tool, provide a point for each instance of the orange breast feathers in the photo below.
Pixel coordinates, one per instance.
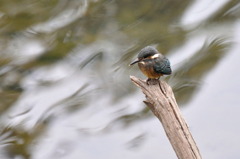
(147, 69)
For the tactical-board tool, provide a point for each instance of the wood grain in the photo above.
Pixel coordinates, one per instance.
(160, 99)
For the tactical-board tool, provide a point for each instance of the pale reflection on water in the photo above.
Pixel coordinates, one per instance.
(65, 87)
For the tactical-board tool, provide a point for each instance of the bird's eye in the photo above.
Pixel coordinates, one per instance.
(146, 56)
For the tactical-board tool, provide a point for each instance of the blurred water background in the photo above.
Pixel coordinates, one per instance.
(64, 77)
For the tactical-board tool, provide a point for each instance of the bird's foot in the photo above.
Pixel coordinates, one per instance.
(151, 81)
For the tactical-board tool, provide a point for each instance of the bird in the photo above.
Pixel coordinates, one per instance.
(152, 63)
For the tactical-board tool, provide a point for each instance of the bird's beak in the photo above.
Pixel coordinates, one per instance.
(135, 61)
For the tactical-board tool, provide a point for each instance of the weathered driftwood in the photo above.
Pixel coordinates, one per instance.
(160, 99)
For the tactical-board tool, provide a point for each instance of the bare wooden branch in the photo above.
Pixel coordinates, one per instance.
(160, 99)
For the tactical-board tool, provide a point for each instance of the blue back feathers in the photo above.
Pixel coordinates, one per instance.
(162, 66)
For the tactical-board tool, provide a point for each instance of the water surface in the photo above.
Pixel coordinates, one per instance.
(64, 77)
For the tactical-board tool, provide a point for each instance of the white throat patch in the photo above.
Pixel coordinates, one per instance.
(155, 56)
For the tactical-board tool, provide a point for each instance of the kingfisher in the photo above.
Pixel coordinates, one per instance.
(152, 63)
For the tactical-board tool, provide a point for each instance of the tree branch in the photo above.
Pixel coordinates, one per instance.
(161, 101)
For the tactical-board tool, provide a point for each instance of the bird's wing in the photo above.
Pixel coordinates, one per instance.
(162, 66)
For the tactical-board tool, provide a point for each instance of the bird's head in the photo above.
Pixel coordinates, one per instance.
(148, 52)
